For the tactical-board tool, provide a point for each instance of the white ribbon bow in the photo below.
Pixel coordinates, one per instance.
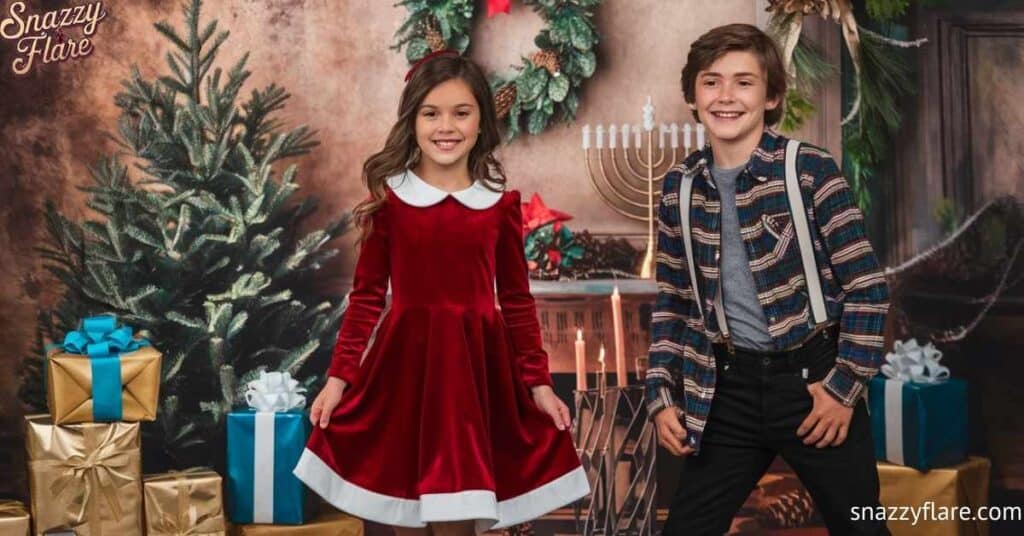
(275, 392)
(910, 362)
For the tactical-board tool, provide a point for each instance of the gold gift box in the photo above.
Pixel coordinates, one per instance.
(14, 519)
(85, 477)
(188, 502)
(69, 386)
(331, 523)
(965, 484)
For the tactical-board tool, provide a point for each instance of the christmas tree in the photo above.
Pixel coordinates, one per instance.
(205, 255)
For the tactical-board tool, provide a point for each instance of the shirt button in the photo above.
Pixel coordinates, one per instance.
(772, 318)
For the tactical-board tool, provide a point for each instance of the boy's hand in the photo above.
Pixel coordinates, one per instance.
(671, 433)
(548, 401)
(828, 421)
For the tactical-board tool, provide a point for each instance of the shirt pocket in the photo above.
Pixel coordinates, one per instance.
(780, 227)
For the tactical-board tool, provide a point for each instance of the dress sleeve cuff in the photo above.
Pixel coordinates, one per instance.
(842, 384)
(538, 379)
(343, 372)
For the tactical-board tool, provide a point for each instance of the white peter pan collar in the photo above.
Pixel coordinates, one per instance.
(419, 193)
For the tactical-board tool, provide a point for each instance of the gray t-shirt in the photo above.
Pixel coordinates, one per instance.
(743, 313)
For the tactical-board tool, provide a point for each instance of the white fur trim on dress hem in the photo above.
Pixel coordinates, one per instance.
(479, 505)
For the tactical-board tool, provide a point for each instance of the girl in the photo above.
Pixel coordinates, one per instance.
(448, 419)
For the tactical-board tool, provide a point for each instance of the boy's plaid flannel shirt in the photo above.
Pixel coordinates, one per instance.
(682, 363)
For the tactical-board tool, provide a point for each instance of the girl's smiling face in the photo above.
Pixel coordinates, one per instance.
(448, 124)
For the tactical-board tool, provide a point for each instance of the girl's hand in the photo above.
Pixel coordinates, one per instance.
(326, 401)
(547, 400)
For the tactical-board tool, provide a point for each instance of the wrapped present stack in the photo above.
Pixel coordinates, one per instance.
(919, 424)
(85, 457)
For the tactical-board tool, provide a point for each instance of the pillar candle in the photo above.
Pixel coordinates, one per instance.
(581, 361)
(620, 338)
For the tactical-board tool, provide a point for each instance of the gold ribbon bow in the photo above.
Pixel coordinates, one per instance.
(184, 518)
(12, 509)
(839, 10)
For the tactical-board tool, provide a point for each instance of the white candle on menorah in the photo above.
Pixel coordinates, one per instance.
(629, 182)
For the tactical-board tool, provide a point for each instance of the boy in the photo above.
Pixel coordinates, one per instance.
(781, 376)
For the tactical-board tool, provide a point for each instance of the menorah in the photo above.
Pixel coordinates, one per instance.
(633, 193)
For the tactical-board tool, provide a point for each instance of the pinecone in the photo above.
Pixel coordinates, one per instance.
(434, 38)
(546, 59)
(504, 99)
(522, 529)
(789, 510)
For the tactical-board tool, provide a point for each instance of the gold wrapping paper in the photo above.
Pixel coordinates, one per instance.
(69, 386)
(14, 519)
(965, 484)
(85, 477)
(331, 523)
(188, 503)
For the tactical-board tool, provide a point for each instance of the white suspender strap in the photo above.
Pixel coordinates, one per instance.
(685, 200)
(803, 234)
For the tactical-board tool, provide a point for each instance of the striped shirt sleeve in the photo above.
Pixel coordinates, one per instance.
(675, 310)
(866, 304)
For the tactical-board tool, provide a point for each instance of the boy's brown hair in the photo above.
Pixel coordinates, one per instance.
(734, 37)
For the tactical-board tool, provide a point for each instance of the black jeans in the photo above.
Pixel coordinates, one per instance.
(760, 401)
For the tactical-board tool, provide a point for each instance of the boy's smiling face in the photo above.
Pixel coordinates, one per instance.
(732, 96)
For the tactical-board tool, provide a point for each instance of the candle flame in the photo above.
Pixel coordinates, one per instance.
(579, 334)
(600, 356)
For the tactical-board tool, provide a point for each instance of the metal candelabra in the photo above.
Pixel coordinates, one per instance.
(617, 446)
(631, 190)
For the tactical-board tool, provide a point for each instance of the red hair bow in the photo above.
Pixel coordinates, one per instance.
(428, 57)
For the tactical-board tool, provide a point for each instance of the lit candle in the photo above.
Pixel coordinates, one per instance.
(674, 135)
(600, 136)
(601, 380)
(586, 137)
(613, 136)
(620, 338)
(581, 361)
(625, 136)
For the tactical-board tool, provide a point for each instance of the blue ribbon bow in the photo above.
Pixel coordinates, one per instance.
(99, 338)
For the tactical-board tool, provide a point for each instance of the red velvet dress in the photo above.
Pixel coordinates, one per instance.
(438, 423)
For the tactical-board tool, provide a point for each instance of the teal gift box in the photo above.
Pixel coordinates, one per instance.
(264, 445)
(919, 425)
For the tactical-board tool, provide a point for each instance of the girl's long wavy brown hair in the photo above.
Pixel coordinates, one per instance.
(401, 152)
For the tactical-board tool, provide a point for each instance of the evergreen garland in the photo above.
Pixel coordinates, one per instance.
(546, 86)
